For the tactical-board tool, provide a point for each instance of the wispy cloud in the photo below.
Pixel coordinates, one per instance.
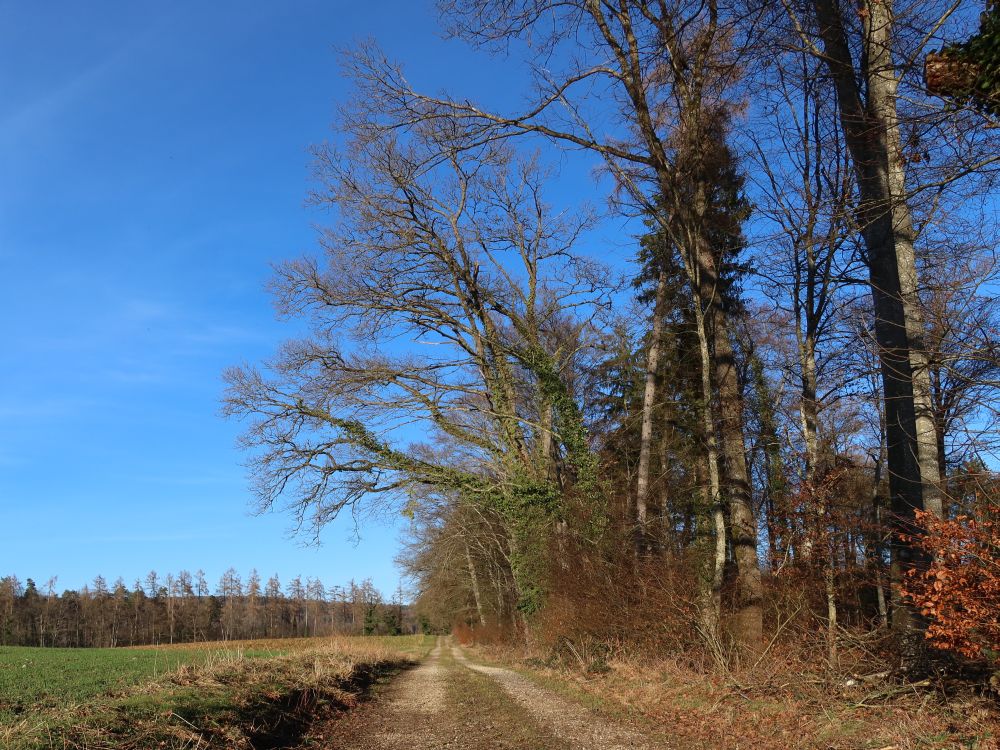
(181, 480)
(137, 376)
(50, 104)
(45, 408)
(46, 107)
(142, 538)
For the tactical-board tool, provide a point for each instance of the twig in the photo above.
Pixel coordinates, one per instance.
(173, 713)
(781, 627)
(889, 693)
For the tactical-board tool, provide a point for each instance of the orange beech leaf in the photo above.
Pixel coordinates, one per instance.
(960, 591)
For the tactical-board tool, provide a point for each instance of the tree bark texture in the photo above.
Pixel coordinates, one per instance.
(648, 403)
(871, 127)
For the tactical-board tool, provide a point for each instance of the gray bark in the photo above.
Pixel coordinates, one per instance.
(808, 408)
(474, 580)
(711, 593)
(830, 582)
(871, 127)
(648, 402)
(742, 524)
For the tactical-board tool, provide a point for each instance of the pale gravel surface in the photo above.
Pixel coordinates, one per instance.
(411, 714)
(422, 690)
(450, 702)
(569, 721)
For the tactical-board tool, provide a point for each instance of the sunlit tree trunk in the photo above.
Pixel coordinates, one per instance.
(474, 581)
(648, 403)
(710, 595)
(871, 125)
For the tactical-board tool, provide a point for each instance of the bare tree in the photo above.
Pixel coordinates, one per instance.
(644, 88)
(459, 553)
(864, 53)
(803, 178)
(450, 299)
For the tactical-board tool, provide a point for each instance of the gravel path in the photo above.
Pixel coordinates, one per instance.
(412, 713)
(450, 702)
(567, 720)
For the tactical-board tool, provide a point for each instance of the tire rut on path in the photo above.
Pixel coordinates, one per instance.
(405, 717)
(570, 722)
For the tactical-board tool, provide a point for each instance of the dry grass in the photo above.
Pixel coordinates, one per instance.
(625, 637)
(286, 645)
(780, 702)
(228, 699)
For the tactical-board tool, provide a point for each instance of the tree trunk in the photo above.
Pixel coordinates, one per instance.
(711, 591)
(882, 87)
(875, 545)
(722, 414)
(830, 581)
(749, 623)
(667, 532)
(808, 408)
(883, 609)
(809, 413)
(648, 402)
(872, 133)
(474, 579)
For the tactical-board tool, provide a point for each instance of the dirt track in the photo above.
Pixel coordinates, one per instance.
(450, 702)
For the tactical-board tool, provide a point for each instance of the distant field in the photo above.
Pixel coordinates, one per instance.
(36, 677)
(45, 692)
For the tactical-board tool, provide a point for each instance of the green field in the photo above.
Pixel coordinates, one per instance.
(177, 696)
(33, 678)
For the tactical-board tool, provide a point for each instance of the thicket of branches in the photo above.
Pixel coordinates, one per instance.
(740, 430)
(184, 608)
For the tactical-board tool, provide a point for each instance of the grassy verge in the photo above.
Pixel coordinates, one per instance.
(779, 706)
(258, 695)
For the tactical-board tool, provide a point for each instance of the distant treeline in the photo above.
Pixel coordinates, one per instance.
(184, 608)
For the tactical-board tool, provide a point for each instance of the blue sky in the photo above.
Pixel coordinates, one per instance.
(153, 163)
